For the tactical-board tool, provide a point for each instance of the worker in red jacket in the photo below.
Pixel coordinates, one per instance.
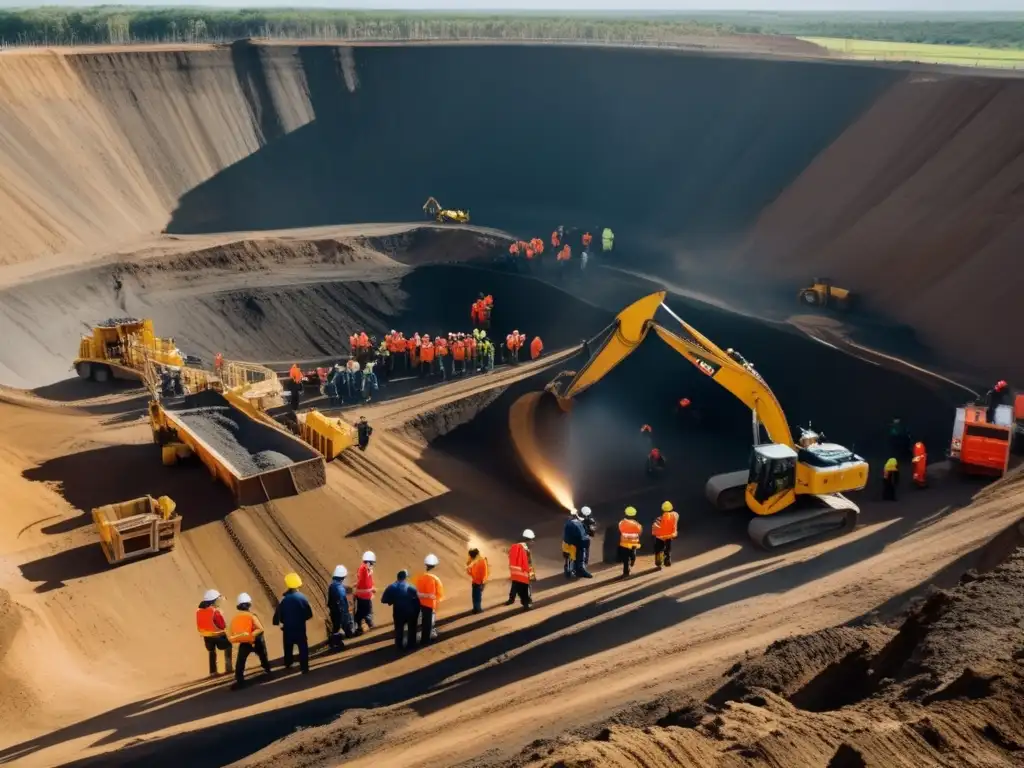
(920, 464)
(364, 593)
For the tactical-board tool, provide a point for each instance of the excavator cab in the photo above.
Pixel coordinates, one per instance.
(822, 293)
(772, 471)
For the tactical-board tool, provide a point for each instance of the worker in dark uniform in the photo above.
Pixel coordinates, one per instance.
(405, 607)
(364, 430)
(291, 615)
(890, 479)
(655, 462)
(338, 608)
(590, 526)
(571, 541)
(998, 395)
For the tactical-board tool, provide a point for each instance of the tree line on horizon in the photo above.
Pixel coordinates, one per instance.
(123, 25)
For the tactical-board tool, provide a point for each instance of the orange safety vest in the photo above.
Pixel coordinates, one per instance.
(430, 590)
(442, 347)
(460, 350)
(529, 253)
(538, 246)
(555, 241)
(400, 343)
(510, 341)
(427, 352)
(364, 583)
(478, 570)
(536, 347)
(629, 534)
(205, 623)
(296, 374)
(666, 526)
(519, 563)
(514, 249)
(364, 341)
(471, 346)
(245, 628)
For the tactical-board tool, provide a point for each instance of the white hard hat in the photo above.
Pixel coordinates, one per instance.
(585, 512)
(431, 559)
(243, 598)
(340, 572)
(369, 557)
(528, 534)
(210, 595)
(574, 512)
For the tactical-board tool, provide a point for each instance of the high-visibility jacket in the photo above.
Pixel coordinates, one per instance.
(430, 590)
(353, 342)
(666, 526)
(364, 341)
(398, 344)
(245, 628)
(210, 621)
(514, 249)
(629, 533)
(364, 583)
(920, 464)
(459, 350)
(471, 347)
(890, 466)
(530, 253)
(296, 374)
(427, 352)
(441, 347)
(510, 341)
(555, 240)
(478, 569)
(519, 567)
(536, 347)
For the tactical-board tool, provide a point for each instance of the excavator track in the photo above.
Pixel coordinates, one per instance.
(830, 514)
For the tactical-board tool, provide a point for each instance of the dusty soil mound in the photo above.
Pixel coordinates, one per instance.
(943, 688)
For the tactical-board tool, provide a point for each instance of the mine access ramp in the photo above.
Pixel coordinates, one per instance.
(256, 459)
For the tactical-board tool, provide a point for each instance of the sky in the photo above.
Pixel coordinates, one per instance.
(958, 6)
(580, 5)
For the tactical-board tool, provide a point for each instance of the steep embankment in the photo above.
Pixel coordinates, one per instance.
(920, 207)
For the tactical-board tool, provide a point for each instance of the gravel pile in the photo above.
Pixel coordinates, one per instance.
(248, 446)
(113, 322)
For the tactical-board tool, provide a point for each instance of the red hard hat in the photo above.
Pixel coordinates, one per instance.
(655, 453)
(1000, 385)
(685, 402)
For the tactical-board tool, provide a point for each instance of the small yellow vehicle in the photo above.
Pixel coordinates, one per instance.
(821, 293)
(444, 215)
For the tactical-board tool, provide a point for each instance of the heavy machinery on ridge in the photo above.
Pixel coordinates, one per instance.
(122, 348)
(782, 471)
(445, 215)
(822, 293)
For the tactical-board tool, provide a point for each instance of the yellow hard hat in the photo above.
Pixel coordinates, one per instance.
(666, 507)
(292, 581)
(630, 511)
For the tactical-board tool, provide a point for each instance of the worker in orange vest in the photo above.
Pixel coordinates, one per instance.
(471, 352)
(431, 593)
(458, 356)
(665, 528)
(295, 377)
(478, 571)
(513, 250)
(485, 312)
(556, 239)
(536, 347)
(246, 632)
(441, 349)
(920, 466)
(364, 593)
(213, 629)
(629, 540)
(426, 356)
(521, 573)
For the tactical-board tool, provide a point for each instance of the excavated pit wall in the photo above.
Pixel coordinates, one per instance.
(904, 185)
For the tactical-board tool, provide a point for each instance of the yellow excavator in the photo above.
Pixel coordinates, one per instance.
(795, 488)
(444, 215)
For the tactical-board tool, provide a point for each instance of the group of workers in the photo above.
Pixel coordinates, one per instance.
(414, 602)
(532, 250)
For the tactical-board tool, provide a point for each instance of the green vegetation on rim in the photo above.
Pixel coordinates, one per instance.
(960, 55)
(122, 24)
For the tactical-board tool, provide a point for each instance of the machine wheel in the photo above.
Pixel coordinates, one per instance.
(84, 370)
(809, 297)
(100, 373)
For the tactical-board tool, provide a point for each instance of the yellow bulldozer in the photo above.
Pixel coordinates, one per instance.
(794, 487)
(441, 215)
(822, 293)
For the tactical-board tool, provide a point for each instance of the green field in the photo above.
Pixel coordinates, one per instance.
(926, 53)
